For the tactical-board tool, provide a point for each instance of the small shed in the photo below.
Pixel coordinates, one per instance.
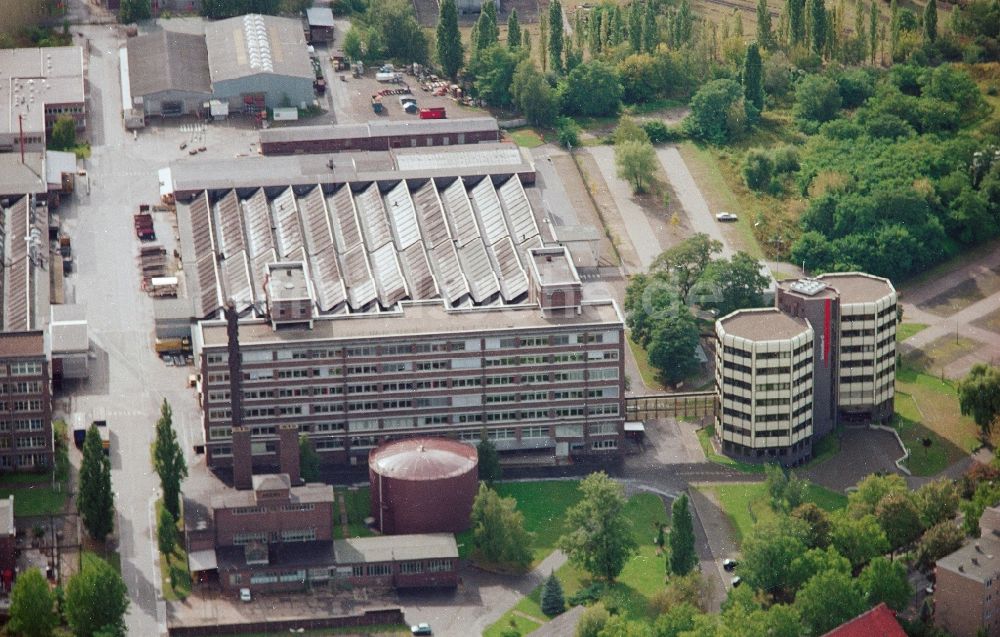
(60, 171)
(70, 340)
(320, 24)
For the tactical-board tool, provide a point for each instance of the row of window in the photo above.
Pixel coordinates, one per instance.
(28, 387)
(20, 405)
(25, 368)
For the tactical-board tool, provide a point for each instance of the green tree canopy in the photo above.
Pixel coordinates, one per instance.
(494, 68)
(828, 600)
(308, 460)
(166, 532)
(96, 599)
(683, 557)
(885, 581)
(817, 100)
(168, 460)
(685, 263)
(130, 11)
(95, 500)
(591, 89)
(672, 344)
(871, 490)
(636, 162)
(555, 36)
(600, 538)
(941, 539)
(765, 36)
(818, 28)
(858, 539)
(930, 21)
(553, 602)
(815, 561)
(450, 53)
(513, 30)
(393, 32)
(753, 78)
(899, 518)
(818, 523)
(768, 553)
(498, 529)
(63, 136)
(592, 621)
(713, 111)
(979, 395)
(353, 44)
(490, 470)
(533, 95)
(31, 611)
(734, 284)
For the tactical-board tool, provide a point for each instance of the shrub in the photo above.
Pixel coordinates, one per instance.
(757, 170)
(656, 130)
(587, 595)
(786, 159)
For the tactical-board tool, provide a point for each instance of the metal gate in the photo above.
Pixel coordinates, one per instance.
(683, 405)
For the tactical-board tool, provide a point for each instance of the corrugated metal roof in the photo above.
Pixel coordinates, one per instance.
(478, 272)
(527, 245)
(330, 291)
(371, 214)
(502, 157)
(358, 279)
(384, 128)
(286, 223)
(513, 280)
(517, 210)
(258, 225)
(320, 16)
(236, 269)
(402, 216)
(248, 45)
(209, 300)
(259, 271)
(430, 216)
(458, 211)
(315, 222)
(168, 61)
(416, 269)
(388, 276)
(487, 207)
(448, 272)
(346, 231)
(230, 224)
(202, 233)
(17, 290)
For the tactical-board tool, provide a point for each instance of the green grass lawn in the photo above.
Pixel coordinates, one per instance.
(522, 624)
(112, 558)
(358, 504)
(827, 448)
(392, 630)
(642, 576)
(705, 438)
(746, 503)
(526, 137)
(923, 461)
(646, 370)
(906, 330)
(176, 564)
(35, 500)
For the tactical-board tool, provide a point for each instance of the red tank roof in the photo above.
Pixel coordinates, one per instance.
(423, 459)
(878, 622)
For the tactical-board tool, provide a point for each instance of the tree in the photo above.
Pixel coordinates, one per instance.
(96, 599)
(567, 132)
(95, 500)
(556, 35)
(629, 131)
(353, 46)
(591, 89)
(166, 532)
(675, 620)
(758, 168)
(818, 523)
(871, 490)
(765, 37)
(553, 602)
(941, 539)
(63, 135)
(899, 518)
(494, 68)
(930, 21)
(168, 460)
(513, 30)
(828, 600)
(768, 553)
(636, 162)
(449, 41)
(711, 108)
(635, 26)
(672, 344)
(817, 13)
(543, 39)
(753, 79)
(601, 539)
(31, 612)
(682, 554)
(533, 95)
(734, 284)
(795, 9)
(486, 30)
(650, 36)
(686, 262)
(308, 460)
(936, 501)
(394, 32)
(130, 11)
(817, 100)
(873, 14)
(814, 561)
(979, 396)
(490, 470)
(592, 621)
(498, 529)
(885, 581)
(858, 539)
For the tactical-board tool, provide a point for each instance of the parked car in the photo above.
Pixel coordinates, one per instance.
(422, 628)
(726, 216)
(728, 564)
(245, 595)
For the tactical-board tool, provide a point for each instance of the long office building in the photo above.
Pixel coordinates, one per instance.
(787, 376)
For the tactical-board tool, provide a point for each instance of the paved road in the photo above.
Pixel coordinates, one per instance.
(695, 207)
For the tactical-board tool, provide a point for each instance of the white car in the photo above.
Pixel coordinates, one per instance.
(422, 628)
(725, 216)
(245, 595)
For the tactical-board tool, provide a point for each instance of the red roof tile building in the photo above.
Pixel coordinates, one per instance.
(878, 622)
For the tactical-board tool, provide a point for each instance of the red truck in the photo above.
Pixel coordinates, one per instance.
(436, 112)
(144, 227)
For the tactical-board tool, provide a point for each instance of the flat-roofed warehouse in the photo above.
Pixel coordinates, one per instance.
(249, 62)
(37, 86)
(378, 135)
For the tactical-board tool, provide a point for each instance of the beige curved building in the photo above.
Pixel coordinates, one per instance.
(763, 377)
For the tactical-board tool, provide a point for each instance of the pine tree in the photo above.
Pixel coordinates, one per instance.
(873, 30)
(650, 36)
(796, 21)
(449, 40)
(764, 35)
(556, 36)
(95, 500)
(168, 460)
(635, 26)
(486, 30)
(513, 30)
(930, 21)
(817, 14)
(553, 602)
(753, 78)
(682, 554)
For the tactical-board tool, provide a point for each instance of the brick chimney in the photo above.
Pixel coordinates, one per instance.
(242, 456)
(242, 459)
(288, 452)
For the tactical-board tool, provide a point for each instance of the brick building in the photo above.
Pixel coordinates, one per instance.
(39, 87)
(378, 135)
(25, 402)
(967, 595)
(786, 377)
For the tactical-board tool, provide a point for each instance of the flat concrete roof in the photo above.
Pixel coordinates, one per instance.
(32, 78)
(58, 163)
(22, 344)
(320, 16)
(979, 560)
(765, 324)
(312, 492)
(7, 516)
(424, 546)
(554, 266)
(287, 282)
(17, 179)
(824, 292)
(426, 319)
(858, 287)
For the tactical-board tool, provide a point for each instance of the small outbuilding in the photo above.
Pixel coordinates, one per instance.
(320, 24)
(423, 485)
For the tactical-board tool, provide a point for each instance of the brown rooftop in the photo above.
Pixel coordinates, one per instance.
(979, 560)
(857, 287)
(18, 344)
(767, 324)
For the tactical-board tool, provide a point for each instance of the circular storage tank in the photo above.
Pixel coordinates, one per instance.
(423, 485)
